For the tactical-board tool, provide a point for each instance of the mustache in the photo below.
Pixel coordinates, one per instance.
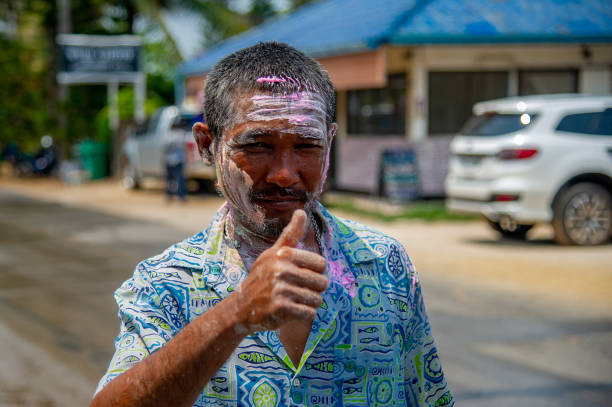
(273, 192)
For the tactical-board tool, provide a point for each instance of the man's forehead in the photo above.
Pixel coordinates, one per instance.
(307, 102)
(304, 111)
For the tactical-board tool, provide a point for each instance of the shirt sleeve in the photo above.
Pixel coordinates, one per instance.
(424, 380)
(144, 325)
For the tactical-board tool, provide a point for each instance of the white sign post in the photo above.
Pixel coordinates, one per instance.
(105, 59)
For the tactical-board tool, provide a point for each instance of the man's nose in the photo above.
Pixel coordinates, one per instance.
(282, 171)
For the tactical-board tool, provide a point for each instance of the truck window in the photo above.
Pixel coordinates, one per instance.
(153, 122)
(183, 123)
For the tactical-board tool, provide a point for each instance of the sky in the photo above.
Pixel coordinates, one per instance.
(185, 26)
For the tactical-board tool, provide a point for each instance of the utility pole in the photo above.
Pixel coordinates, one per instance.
(64, 19)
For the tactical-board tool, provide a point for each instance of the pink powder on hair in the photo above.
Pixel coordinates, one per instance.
(271, 79)
(276, 79)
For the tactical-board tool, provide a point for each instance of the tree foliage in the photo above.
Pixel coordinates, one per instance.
(23, 113)
(29, 59)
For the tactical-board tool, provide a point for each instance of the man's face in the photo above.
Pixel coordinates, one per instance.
(273, 158)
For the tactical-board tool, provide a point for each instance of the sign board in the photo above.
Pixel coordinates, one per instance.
(399, 175)
(81, 58)
(105, 59)
(90, 59)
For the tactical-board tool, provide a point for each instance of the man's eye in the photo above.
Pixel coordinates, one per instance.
(307, 146)
(256, 146)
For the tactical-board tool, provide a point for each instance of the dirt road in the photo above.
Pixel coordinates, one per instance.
(575, 279)
(516, 323)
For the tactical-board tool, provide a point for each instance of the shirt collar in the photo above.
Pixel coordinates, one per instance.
(354, 247)
(206, 248)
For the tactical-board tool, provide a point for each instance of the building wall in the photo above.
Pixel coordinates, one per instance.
(358, 157)
(592, 62)
(358, 161)
(361, 70)
(194, 91)
(482, 57)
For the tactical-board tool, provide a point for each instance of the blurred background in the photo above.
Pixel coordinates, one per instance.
(478, 133)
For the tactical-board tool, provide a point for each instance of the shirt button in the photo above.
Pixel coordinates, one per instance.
(296, 382)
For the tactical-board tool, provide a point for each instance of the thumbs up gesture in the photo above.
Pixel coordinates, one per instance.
(285, 283)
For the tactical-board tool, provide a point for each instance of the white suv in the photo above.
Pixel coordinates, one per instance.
(548, 158)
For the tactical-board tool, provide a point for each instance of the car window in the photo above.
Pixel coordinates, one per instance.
(183, 123)
(141, 130)
(595, 123)
(494, 124)
(153, 121)
(605, 125)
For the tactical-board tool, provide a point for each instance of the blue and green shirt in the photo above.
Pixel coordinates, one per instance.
(370, 343)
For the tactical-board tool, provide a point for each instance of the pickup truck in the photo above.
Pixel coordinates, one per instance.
(143, 150)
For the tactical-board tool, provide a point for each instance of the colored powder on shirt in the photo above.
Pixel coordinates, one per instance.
(346, 280)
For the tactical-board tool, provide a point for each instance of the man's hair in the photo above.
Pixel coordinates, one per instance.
(270, 67)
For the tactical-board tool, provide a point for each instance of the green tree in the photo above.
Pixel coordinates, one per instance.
(29, 59)
(23, 114)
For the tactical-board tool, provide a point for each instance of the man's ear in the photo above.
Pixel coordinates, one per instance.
(204, 139)
(331, 132)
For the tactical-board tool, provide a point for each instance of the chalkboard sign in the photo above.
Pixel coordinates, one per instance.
(399, 175)
(101, 59)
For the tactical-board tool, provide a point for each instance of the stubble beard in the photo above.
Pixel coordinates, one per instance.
(256, 222)
(250, 216)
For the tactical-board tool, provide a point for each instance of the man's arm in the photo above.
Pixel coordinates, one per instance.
(176, 374)
(284, 284)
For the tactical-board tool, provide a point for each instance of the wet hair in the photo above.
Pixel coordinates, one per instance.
(270, 67)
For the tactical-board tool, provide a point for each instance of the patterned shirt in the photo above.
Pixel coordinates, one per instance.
(370, 343)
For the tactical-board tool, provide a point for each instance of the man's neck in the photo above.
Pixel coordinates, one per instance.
(250, 244)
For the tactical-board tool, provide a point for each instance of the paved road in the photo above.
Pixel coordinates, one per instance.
(58, 269)
(59, 266)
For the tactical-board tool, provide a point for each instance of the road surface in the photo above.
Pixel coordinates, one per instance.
(517, 324)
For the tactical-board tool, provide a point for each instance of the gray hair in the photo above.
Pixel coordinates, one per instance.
(270, 67)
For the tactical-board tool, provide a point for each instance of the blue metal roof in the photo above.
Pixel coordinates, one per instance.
(331, 27)
(323, 28)
(507, 21)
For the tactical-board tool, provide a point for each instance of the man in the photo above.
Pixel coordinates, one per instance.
(278, 302)
(174, 157)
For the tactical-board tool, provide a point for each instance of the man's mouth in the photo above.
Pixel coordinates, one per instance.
(280, 198)
(279, 194)
(277, 198)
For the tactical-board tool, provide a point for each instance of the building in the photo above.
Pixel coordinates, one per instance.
(408, 72)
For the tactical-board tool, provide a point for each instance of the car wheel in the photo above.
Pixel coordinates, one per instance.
(583, 215)
(511, 230)
(130, 178)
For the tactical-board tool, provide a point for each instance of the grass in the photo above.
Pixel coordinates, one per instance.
(430, 210)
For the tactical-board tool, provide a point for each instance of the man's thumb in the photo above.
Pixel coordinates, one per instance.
(294, 231)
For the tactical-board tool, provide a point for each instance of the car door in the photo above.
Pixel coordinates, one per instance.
(589, 135)
(150, 145)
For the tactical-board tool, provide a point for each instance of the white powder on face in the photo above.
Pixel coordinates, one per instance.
(305, 111)
(236, 185)
(304, 114)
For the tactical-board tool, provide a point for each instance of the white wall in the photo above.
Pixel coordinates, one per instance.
(506, 57)
(596, 80)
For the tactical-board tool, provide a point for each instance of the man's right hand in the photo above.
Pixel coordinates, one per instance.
(285, 283)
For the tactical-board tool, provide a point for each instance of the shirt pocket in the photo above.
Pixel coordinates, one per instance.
(369, 375)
